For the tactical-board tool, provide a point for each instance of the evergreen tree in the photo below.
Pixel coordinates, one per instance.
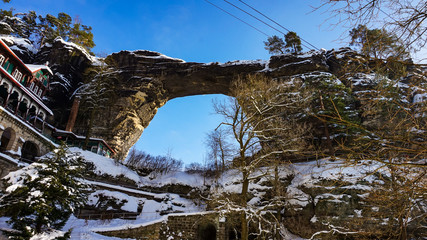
(81, 35)
(274, 45)
(293, 42)
(30, 24)
(377, 43)
(41, 197)
(43, 29)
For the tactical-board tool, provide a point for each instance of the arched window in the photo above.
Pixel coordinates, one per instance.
(29, 151)
(3, 93)
(17, 74)
(32, 114)
(7, 139)
(13, 101)
(32, 86)
(22, 108)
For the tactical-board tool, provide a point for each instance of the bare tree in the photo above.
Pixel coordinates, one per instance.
(263, 121)
(405, 18)
(219, 149)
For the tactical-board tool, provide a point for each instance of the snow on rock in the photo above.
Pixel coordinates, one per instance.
(363, 79)
(420, 97)
(19, 44)
(153, 55)
(107, 166)
(302, 176)
(175, 177)
(130, 203)
(53, 234)
(71, 46)
(244, 62)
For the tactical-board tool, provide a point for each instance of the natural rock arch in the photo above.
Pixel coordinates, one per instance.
(147, 80)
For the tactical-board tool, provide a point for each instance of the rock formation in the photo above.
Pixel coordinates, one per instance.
(146, 80)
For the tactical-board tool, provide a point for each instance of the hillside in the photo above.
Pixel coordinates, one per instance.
(316, 192)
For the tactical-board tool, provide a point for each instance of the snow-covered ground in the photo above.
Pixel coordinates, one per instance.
(107, 166)
(150, 205)
(153, 204)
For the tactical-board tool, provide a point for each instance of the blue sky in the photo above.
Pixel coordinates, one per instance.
(192, 30)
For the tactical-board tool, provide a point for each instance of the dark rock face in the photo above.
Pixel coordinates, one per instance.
(68, 64)
(21, 47)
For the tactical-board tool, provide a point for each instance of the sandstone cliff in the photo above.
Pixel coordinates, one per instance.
(146, 80)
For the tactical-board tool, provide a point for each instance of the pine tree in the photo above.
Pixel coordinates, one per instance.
(274, 45)
(41, 197)
(44, 29)
(378, 43)
(293, 42)
(81, 35)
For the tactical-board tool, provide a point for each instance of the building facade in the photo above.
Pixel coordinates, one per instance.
(23, 113)
(24, 132)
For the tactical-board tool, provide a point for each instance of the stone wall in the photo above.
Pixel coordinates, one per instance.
(22, 133)
(194, 226)
(6, 166)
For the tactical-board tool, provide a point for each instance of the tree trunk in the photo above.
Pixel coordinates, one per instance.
(278, 193)
(244, 222)
(327, 134)
(89, 129)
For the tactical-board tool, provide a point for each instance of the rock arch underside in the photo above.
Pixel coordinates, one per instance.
(147, 80)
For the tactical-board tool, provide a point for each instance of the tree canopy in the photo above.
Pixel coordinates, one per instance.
(44, 29)
(276, 45)
(378, 43)
(405, 18)
(41, 197)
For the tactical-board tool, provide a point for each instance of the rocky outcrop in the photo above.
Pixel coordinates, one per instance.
(68, 63)
(146, 80)
(21, 47)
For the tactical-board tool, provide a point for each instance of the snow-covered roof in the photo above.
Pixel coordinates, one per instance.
(34, 68)
(83, 137)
